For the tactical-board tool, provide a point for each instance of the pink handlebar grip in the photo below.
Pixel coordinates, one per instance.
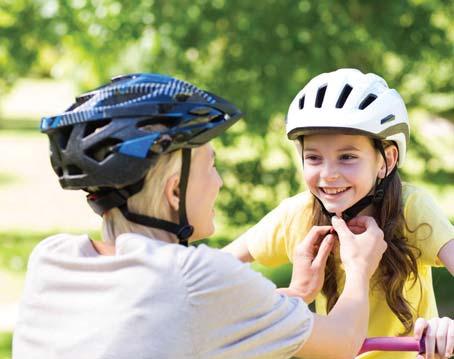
(401, 344)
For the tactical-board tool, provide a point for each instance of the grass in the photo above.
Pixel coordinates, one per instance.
(5, 345)
(21, 126)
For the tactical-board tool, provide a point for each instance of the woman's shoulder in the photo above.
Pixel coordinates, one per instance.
(62, 243)
(206, 267)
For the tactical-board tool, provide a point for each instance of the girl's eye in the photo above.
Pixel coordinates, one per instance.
(347, 156)
(311, 158)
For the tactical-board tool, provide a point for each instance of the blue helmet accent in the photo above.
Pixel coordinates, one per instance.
(111, 136)
(138, 147)
(146, 90)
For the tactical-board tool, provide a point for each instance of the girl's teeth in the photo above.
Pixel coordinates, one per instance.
(334, 190)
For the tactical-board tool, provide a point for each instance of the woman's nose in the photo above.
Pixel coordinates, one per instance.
(220, 181)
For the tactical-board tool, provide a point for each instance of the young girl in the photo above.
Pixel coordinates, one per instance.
(352, 132)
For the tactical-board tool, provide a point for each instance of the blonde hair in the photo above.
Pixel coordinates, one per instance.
(150, 201)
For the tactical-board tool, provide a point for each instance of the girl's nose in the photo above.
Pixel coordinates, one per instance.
(329, 173)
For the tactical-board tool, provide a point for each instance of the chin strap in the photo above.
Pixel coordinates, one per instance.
(375, 198)
(104, 200)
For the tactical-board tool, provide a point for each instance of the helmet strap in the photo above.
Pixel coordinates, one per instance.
(105, 200)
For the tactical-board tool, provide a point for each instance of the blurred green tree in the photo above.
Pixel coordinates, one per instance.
(257, 55)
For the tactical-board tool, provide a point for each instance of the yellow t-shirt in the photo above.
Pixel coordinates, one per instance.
(271, 242)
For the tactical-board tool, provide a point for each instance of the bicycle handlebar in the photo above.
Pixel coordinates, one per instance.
(401, 344)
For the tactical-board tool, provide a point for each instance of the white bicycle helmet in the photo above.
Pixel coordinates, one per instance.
(349, 101)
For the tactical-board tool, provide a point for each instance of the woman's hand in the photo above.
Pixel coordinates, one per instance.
(362, 244)
(309, 261)
(439, 337)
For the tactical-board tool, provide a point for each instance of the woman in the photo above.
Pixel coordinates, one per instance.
(139, 147)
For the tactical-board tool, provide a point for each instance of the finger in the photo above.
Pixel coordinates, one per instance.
(307, 246)
(441, 336)
(431, 333)
(362, 221)
(420, 325)
(450, 339)
(340, 226)
(323, 252)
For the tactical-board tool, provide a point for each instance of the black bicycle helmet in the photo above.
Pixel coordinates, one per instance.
(102, 143)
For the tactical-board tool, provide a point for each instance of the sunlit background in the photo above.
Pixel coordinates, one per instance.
(256, 54)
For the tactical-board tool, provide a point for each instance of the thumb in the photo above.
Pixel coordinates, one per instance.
(340, 226)
(324, 251)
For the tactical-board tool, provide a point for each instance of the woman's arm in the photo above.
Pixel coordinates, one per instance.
(446, 255)
(340, 334)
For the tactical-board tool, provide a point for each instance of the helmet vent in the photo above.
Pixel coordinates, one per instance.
(320, 96)
(387, 119)
(73, 170)
(301, 103)
(182, 97)
(62, 136)
(100, 151)
(343, 96)
(80, 101)
(95, 126)
(152, 124)
(367, 101)
(118, 99)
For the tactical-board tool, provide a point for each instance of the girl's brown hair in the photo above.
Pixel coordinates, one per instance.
(398, 264)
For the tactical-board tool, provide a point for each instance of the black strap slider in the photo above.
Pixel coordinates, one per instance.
(185, 232)
(378, 195)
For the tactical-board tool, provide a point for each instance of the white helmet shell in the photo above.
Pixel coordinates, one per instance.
(348, 101)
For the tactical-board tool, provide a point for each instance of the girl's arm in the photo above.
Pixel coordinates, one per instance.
(239, 250)
(446, 255)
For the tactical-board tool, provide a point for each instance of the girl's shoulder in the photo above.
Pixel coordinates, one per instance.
(412, 194)
(298, 203)
(417, 199)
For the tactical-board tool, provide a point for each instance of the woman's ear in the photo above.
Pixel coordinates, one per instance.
(172, 191)
(391, 154)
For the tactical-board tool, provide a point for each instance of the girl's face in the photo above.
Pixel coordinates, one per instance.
(203, 188)
(340, 169)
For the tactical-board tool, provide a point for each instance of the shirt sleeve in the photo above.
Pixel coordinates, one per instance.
(428, 228)
(271, 241)
(237, 312)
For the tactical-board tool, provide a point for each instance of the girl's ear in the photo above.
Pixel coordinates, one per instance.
(392, 154)
(172, 191)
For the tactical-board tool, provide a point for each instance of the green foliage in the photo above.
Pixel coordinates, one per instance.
(258, 62)
(256, 56)
(15, 247)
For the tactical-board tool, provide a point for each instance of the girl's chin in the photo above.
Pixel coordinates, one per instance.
(338, 210)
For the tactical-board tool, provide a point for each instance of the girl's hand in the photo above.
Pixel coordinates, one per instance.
(309, 261)
(439, 337)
